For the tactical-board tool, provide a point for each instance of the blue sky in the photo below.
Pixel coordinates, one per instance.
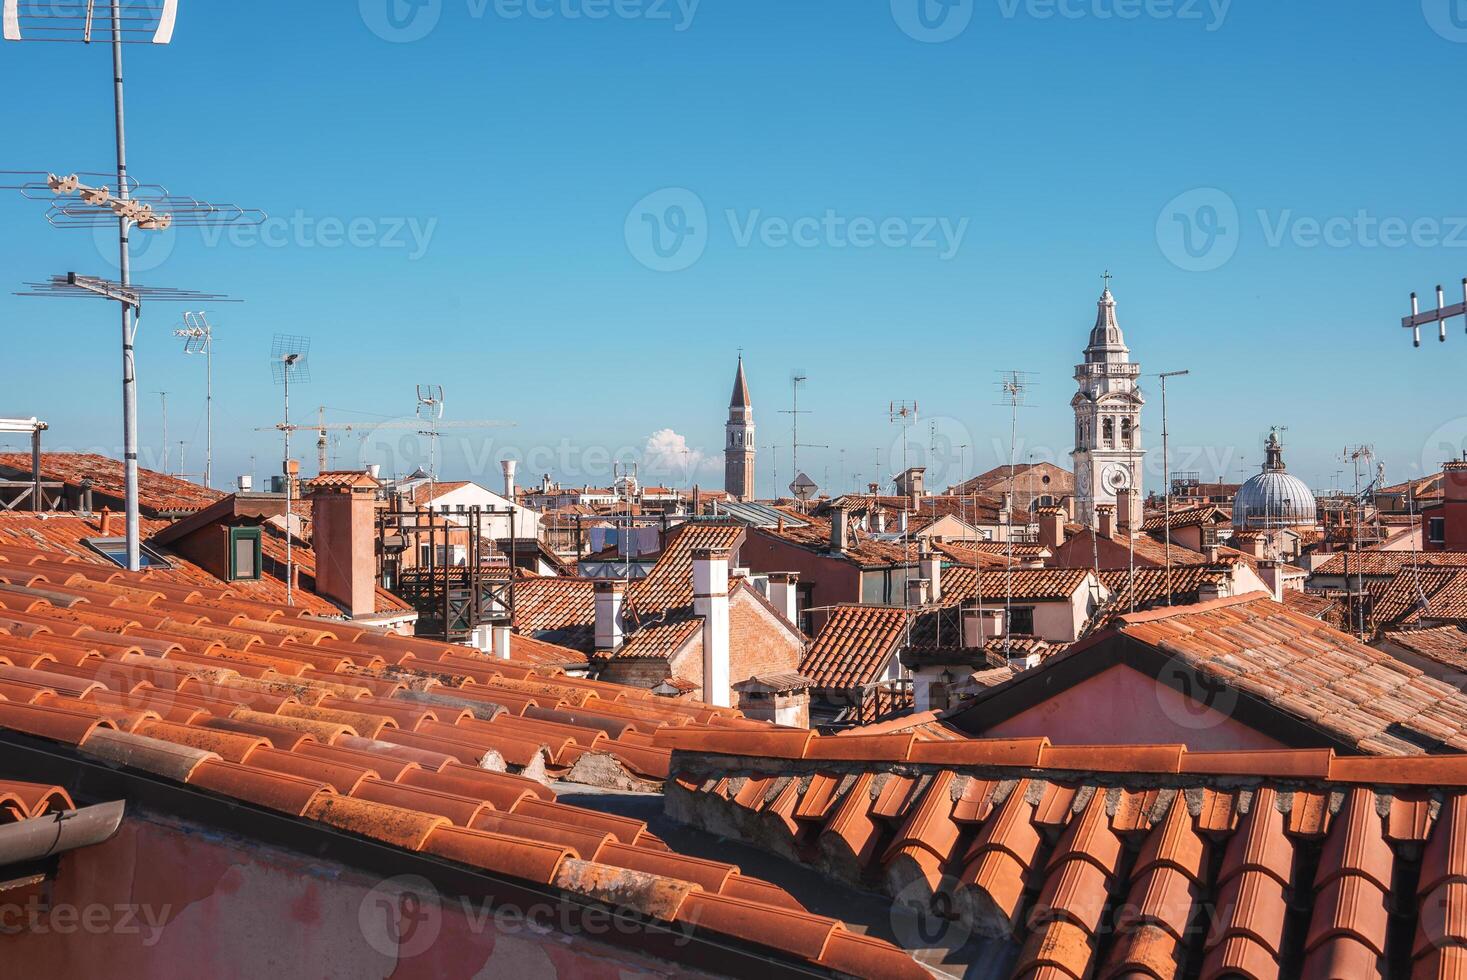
(501, 171)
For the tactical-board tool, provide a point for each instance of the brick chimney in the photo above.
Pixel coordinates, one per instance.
(1105, 519)
(610, 596)
(784, 594)
(710, 601)
(1051, 527)
(344, 537)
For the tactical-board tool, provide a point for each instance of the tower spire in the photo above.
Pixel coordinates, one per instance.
(740, 397)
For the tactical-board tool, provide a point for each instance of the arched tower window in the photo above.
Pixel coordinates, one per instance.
(1108, 431)
(1127, 432)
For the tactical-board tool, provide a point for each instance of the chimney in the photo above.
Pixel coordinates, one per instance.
(1105, 518)
(508, 465)
(1128, 511)
(979, 626)
(609, 598)
(1272, 573)
(710, 601)
(874, 489)
(1005, 507)
(245, 482)
(878, 519)
(86, 495)
(929, 566)
(840, 531)
(1051, 527)
(1211, 553)
(784, 594)
(1255, 544)
(344, 536)
(104, 523)
(501, 641)
(919, 592)
(1214, 588)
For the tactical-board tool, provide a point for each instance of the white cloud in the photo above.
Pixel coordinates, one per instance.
(668, 452)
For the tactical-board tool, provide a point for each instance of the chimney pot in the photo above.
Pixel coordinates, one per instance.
(609, 631)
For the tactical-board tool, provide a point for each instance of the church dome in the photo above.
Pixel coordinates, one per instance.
(1275, 497)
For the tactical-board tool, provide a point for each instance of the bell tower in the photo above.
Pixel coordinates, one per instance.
(1108, 454)
(739, 446)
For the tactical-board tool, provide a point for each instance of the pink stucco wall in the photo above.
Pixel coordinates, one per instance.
(167, 900)
(1121, 706)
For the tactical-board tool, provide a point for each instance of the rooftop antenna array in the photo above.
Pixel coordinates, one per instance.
(120, 22)
(1167, 487)
(289, 362)
(198, 338)
(903, 413)
(1439, 316)
(801, 486)
(1014, 386)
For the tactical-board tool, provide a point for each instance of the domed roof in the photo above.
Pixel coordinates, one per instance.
(1274, 498)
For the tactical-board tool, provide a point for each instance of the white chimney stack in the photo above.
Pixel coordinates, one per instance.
(509, 466)
(710, 601)
(246, 483)
(609, 598)
(784, 594)
(501, 641)
(929, 566)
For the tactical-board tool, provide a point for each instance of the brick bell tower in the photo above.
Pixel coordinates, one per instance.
(739, 445)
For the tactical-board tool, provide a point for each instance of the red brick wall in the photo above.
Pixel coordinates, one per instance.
(638, 673)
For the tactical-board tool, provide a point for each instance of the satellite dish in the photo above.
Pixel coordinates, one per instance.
(803, 487)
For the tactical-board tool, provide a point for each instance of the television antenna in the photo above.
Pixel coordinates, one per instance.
(289, 361)
(198, 338)
(1014, 386)
(163, 396)
(121, 22)
(130, 297)
(1439, 316)
(1166, 468)
(794, 412)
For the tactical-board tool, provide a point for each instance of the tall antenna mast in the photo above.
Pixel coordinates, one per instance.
(163, 396)
(903, 414)
(1166, 471)
(1015, 386)
(198, 338)
(289, 361)
(430, 410)
(124, 22)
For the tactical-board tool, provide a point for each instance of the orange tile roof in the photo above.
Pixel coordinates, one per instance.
(1446, 645)
(660, 640)
(415, 744)
(1022, 584)
(854, 646)
(1303, 667)
(558, 609)
(670, 583)
(26, 801)
(863, 552)
(157, 492)
(1151, 585)
(66, 534)
(1107, 861)
(1386, 562)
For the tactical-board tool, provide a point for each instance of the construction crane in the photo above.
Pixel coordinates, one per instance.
(426, 427)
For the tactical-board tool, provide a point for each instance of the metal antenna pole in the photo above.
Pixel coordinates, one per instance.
(209, 412)
(129, 316)
(1167, 478)
(163, 395)
(285, 468)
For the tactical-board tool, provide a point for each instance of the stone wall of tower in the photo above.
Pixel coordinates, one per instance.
(739, 446)
(1109, 454)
